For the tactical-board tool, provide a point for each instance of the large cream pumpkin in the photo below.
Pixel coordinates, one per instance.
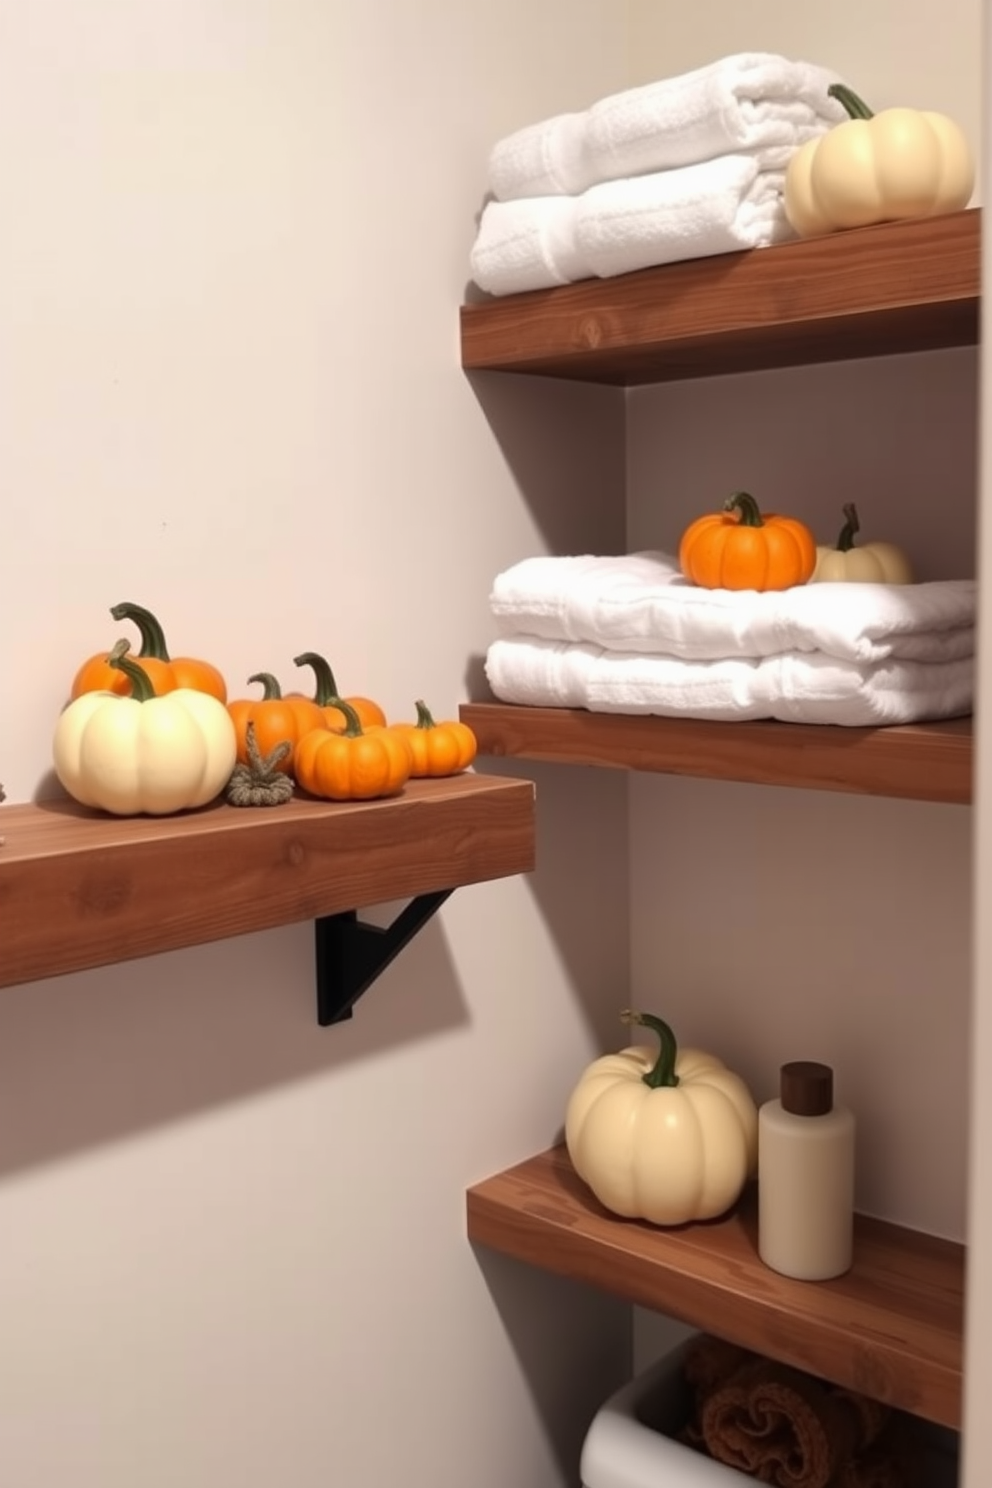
(668, 1136)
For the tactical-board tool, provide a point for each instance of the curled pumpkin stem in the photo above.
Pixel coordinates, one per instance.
(845, 541)
(856, 107)
(149, 628)
(747, 509)
(663, 1072)
(142, 689)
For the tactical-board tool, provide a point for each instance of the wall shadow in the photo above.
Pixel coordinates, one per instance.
(572, 1343)
(93, 1057)
(563, 442)
(580, 883)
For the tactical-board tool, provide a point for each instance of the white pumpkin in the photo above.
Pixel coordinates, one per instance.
(871, 563)
(667, 1137)
(144, 754)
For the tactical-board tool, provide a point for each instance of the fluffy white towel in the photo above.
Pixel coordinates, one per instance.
(741, 102)
(726, 204)
(795, 687)
(641, 602)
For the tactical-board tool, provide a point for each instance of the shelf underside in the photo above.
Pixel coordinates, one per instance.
(923, 762)
(891, 1328)
(873, 291)
(79, 889)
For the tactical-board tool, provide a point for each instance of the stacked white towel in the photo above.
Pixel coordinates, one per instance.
(686, 167)
(629, 634)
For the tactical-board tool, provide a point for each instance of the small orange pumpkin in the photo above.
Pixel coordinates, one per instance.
(438, 748)
(276, 719)
(738, 548)
(352, 765)
(165, 672)
(326, 696)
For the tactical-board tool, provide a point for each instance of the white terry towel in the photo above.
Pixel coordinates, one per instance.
(795, 687)
(721, 206)
(741, 102)
(641, 602)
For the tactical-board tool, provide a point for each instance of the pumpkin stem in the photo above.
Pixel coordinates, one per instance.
(326, 695)
(746, 508)
(856, 107)
(663, 1072)
(846, 540)
(151, 632)
(141, 684)
(424, 719)
(353, 728)
(270, 687)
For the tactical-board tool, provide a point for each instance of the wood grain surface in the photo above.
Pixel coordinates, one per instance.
(891, 1328)
(872, 291)
(80, 889)
(922, 762)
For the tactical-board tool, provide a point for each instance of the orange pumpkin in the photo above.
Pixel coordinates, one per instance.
(276, 719)
(738, 548)
(353, 765)
(438, 748)
(165, 672)
(326, 696)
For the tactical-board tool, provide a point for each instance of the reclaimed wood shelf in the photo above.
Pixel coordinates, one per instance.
(920, 762)
(891, 1328)
(79, 889)
(873, 291)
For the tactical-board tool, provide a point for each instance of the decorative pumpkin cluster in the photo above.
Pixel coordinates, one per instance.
(741, 548)
(154, 734)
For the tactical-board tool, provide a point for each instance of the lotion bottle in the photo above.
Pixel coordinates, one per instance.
(806, 1176)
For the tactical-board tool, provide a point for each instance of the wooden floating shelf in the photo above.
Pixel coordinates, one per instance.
(891, 1328)
(873, 291)
(79, 889)
(922, 762)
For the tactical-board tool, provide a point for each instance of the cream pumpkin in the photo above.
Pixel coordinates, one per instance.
(144, 754)
(884, 167)
(871, 563)
(668, 1136)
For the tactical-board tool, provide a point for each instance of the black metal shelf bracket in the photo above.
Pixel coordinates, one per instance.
(351, 954)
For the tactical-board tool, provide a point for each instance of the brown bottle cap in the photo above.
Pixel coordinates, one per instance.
(807, 1088)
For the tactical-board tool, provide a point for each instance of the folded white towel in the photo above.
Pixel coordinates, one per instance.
(723, 205)
(794, 687)
(741, 102)
(641, 602)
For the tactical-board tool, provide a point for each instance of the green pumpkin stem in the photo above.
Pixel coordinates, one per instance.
(424, 719)
(846, 540)
(663, 1072)
(149, 628)
(746, 507)
(141, 684)
(270, 687)
(326, 694)
(353, 724)
(856, 107)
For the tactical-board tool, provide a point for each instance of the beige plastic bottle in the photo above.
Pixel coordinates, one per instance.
(806, 1176)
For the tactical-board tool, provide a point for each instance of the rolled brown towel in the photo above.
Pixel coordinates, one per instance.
(779, 1425)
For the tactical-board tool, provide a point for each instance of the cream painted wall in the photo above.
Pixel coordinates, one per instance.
(890, 51)
(235, 240)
